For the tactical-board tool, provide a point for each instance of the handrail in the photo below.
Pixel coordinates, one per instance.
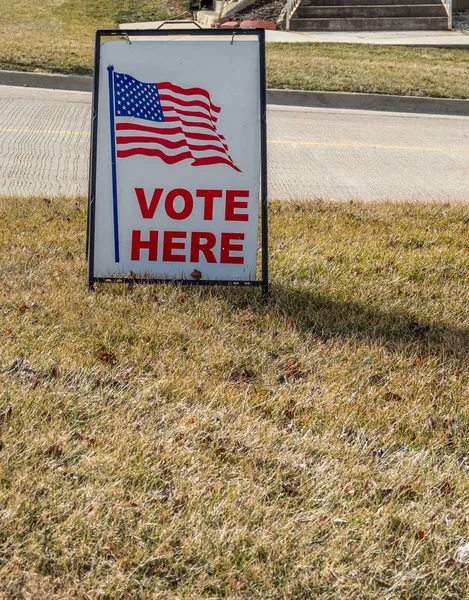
(449, 9)
(292, 5)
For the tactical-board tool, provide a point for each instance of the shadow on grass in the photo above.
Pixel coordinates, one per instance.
(319, 316)
(42, 67)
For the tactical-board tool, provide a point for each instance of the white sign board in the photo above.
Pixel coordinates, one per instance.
(176, 157)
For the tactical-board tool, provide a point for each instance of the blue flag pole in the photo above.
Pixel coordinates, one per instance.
(110, 70)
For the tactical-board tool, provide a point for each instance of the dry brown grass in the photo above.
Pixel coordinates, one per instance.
(159, 442)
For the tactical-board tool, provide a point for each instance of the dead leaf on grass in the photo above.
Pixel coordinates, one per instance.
(405, 493)
(445, 488)
(181, 502)
(6, 413)
(55, 451)
(107, 357)
(289, 490)
(381, 583)
(247, 373)
(294, 370)
(392, 397)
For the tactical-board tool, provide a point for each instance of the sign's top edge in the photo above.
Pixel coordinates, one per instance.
(230, 33)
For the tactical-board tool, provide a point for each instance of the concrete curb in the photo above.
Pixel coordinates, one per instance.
(76, 83)
(413, 104)
(336, 100)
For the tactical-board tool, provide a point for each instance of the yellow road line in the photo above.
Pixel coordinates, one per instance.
(368, 146)
(46, 131)
(281, 142)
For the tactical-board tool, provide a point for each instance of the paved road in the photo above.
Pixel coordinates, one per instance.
(313, 153)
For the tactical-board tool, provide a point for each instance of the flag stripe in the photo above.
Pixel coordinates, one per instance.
(199, 103)
(211, 160)
(203, 112)
(193, 127)
(176, 143)
(191, 124)
(167, 158)
(167, 143)
(164, 131)
(165, 85)
(189, 113)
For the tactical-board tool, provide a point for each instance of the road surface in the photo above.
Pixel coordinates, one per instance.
(312, 153)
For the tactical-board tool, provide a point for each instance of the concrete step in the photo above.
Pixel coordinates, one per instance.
(223, 7)
(376, 11)
(384, 24)
(207, 17)
(220, 6)
(366, 2)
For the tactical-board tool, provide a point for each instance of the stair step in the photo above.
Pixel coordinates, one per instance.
(222, 7)
(365, 12)
(317, 3)
(207, 18)
(384, 24)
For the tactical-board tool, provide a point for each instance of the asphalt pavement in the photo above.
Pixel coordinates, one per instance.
(313, 153)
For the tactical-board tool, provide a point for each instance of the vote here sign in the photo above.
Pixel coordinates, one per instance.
(177, 157)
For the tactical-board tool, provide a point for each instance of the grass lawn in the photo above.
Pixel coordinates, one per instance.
(160, 442)
(440, 73)
(58, 35)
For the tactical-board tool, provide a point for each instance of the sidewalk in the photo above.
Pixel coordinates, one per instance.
(405, 38)
(451, 39)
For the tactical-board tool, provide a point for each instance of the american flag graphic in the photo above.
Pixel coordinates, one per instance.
(167, 121)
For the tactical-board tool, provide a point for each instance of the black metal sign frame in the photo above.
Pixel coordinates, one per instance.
(91, 231)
